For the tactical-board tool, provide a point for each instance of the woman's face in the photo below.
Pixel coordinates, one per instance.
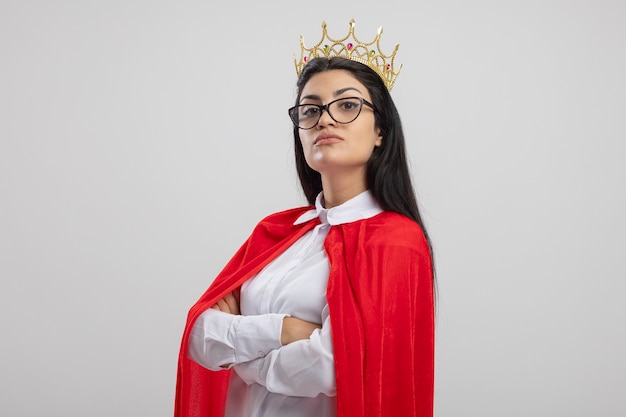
(331, 147)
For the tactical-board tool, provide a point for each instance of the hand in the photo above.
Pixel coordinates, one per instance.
(229, 304)
(296, 329)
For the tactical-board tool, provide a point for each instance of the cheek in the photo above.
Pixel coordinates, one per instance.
(305, 142)
(305, 137)
(306, 150)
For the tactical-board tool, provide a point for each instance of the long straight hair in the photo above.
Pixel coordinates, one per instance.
(388, 177)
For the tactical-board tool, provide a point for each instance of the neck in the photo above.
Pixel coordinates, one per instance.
(338, 189)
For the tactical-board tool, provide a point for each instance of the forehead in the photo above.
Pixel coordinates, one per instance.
(328, 84)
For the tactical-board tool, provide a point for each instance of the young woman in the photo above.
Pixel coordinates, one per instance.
(328, 309)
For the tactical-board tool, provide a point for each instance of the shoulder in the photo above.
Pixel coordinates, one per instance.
(282, 221)
(394, 226)
(391, 229)
(389, 245)
(288, 216)
(274, 228)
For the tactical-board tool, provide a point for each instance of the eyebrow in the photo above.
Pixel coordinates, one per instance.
(335, 94)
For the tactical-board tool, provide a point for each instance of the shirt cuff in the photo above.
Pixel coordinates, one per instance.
(250, 371)
(256, 336)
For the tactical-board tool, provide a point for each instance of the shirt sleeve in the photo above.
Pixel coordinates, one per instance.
(305, 368)
(219, 340)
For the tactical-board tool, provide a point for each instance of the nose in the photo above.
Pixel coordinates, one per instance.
(325, 119)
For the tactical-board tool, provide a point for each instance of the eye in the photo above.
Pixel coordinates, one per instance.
(308, 111)
(349, 105)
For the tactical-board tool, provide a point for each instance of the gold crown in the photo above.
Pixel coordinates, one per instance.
(354, 50)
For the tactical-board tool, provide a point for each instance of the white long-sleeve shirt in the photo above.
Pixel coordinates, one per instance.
(271, 380)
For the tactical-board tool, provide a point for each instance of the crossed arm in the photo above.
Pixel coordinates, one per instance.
(286, 355)
(293, 329)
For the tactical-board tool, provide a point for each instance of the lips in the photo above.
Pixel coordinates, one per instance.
(326, 138)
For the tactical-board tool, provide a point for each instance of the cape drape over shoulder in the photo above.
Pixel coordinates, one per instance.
(381, 303)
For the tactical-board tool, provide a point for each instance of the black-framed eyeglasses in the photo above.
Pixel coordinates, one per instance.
(343, 111)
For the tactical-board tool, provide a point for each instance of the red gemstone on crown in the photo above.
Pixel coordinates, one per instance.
(349, 46)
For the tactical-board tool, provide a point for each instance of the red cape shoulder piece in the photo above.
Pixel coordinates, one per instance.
(380, 297)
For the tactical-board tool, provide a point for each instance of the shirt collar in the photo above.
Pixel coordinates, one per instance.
(362, 206)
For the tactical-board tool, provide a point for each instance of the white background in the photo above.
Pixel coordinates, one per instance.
(140, 141)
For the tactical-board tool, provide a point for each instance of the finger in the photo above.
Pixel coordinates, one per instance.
(233, 305)
(223, 306)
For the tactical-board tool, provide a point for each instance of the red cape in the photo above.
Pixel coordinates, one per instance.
(380, 298)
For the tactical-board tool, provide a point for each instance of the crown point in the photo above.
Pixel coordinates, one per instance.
(367, 53)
